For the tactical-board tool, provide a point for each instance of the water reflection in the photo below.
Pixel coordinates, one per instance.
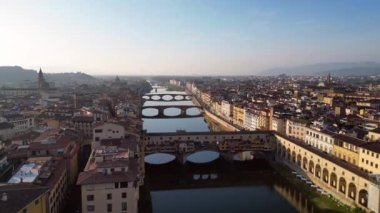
(203, 157)
(222, 187)
(159, 158)
(217, 186)
(174, 124)
(294, 197)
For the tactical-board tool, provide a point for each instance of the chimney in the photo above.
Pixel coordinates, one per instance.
(4, 197)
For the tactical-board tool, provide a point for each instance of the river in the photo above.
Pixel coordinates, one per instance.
(217, 186)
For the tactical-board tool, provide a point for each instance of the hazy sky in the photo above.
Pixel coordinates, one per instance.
(186, 37)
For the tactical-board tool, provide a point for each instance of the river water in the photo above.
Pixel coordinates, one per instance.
(215, 187)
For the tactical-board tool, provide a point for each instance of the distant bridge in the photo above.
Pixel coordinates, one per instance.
(161, 111)
(227, 144)
(172, 97)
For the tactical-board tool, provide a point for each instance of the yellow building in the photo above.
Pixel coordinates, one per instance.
(374, 135)
(347, 148)
(296, 128)
(264, 119)
(343, 181)
(23, 198)
(328, 100)
(238, 114)
(369, 160)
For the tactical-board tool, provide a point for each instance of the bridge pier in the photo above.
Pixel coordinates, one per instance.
(227, 156)
(181, 158)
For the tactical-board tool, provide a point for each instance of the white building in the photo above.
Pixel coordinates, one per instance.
(110, 181)
(226, 108)
(107, 131)
(320, 139)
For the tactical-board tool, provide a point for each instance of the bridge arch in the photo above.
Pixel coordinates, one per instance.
(159, 158)
(202, 156)
(155, 97)
(167, 97)
(352, 191)
(179, 97)
(342, 185)
(363, 197)
(150, 112)
(193, 111)
(172, 111)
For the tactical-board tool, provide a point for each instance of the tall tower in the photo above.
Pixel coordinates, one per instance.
(329, 80)
(42, 84)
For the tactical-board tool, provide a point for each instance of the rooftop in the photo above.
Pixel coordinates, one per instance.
(372, 146)
(26, 174)
(19, 195)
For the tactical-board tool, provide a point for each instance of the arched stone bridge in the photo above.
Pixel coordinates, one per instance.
(161, 111)
(344, 181)
(227, 144)
(174, 97)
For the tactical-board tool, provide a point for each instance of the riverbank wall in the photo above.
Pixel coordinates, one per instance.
(221, 122)
(227, 126)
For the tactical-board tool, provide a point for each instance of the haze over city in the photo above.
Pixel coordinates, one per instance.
(186, 37)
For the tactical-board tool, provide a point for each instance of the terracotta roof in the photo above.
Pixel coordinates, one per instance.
(348, 139)
(20, 195)
(61, 143)
(95, 177)
(5, 125)
(372, 146)
(377, 130)
(86, 119)
(30, 136)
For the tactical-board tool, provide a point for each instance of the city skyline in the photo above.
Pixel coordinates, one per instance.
(186, 37)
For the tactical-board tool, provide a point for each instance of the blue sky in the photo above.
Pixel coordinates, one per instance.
(186, 37)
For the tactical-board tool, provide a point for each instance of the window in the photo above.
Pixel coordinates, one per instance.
(90, 197)
(123, 206)
(98, 130)
(109, 207)
(36, 202)
(124, 195)
(109, 196)
(90, 208)
(116, 185)
(124, 185)
(96, 138)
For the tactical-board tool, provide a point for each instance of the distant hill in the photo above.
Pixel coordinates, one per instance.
(336, 69)
(18, 76)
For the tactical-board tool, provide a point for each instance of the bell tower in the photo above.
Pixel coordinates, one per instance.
(42, 84)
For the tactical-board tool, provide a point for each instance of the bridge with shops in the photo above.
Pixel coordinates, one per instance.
(227, 144)
(344, 181)
(184, 111)
(167, 97)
